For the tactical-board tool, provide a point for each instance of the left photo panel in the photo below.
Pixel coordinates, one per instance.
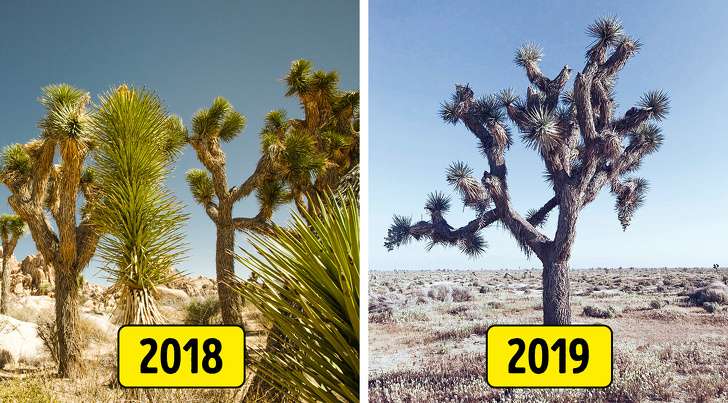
(179, 207)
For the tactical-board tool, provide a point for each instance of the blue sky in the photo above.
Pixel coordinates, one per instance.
(188, 52)
(418, 52)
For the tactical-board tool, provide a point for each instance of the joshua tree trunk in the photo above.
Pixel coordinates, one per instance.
(556, 308)
(5, 290)
(67, 320)
(225, 270)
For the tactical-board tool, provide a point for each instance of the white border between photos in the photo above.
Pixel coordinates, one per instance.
(364, 189)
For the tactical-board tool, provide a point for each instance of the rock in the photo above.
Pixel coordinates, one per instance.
(199, 286)
(21, 340)
(172, 297)
(40, 275)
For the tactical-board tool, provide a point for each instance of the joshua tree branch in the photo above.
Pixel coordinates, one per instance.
(247, 187)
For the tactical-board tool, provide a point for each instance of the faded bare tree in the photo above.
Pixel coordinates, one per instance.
(582, 142)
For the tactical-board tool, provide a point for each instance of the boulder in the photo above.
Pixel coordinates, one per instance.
(20, 339)
(40, 276)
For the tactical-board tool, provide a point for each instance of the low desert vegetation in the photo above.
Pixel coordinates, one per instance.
(667, 347)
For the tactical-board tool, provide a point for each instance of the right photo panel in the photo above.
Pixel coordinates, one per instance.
(547, 201)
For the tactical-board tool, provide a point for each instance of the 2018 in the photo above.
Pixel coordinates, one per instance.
(211, 361)
(581, 356)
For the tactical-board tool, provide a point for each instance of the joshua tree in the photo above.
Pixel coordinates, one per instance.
(210, 127)
(312, 155)
(323, 146)
(139, 218)
(38, 186)
(584, 147)
(12, 229)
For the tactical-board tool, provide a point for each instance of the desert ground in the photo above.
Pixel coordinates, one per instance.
(27, 366)
(427, 333)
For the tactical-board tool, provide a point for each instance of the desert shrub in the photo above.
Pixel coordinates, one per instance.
(711, 307)
(457, 310)
(31, 390)
(444, 379)
(478, 329)
(202, 311)
(704, 388)
(5, 358)
(410, 315)
(461, 294)
(47, 333)
(382, 316)
(598, 312)
(495, 305)
(639, 376)
(656, 304)
(439, 292)
(715, 292)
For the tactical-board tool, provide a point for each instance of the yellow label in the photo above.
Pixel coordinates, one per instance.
(549, 356)
(181, 356)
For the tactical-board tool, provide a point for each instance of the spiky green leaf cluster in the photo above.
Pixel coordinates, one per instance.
(12, 227)
(310, 295)
(220, 120)
(201, 185)
(17, 164)
(67, 118)
(141, 220)
(302, 81)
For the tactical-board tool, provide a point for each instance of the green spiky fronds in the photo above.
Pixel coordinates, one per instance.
(220, 120)
(141, 220)
(12, 227)
(528, 53)
(657, 103)
(301, 158)
(17, 164)
(607, 30)
(398, 233)
(176, 136)
(298, 77)
(437, 202)
(272, 193)
(67, 117)
(310, 273)
(201, 185)
(542, 131)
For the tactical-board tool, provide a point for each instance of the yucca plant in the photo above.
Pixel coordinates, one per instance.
(12, 228)
(140, 219)
(309, 292)
(581, 141)
(41, 191)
